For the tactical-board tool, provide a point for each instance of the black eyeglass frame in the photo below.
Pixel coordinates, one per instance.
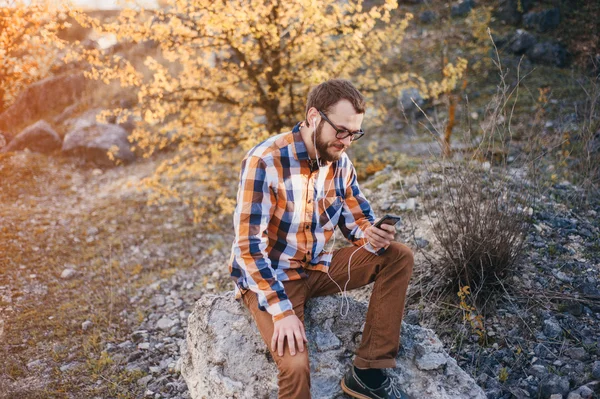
(343, 133)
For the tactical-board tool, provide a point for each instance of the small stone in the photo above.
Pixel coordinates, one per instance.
(553, 384)
(33, 364)
(556, 396)
(86, 325)
(576, 353)
(421, 242)
(67, 274)
(596, 370)
(155, 369)
(413, 191)
(538, 370)
(585, 392)
(144, 380)
(552, 329)
(410, 204)
(574, 395)
(159, 300)
(165, 323)
(563, 277)
(144, 345)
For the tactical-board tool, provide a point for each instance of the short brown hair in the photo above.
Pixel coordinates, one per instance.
(327, 94)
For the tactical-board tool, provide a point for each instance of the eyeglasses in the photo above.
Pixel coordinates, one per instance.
(343, 133)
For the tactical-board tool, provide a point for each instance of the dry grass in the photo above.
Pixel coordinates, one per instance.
(48, 208)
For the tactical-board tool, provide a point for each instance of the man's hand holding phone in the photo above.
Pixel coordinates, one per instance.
(383, 232)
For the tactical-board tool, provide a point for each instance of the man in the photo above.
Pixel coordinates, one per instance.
(295, 188)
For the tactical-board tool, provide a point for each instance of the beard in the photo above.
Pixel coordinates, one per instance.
(323, 147)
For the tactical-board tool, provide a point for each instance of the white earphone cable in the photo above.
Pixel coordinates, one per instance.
(345, 301)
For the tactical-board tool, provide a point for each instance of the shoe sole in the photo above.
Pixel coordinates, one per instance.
(352, 393)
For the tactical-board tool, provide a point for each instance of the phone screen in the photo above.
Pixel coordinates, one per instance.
(388, 219)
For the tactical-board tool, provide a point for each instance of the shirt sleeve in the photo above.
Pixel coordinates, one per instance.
(255, 201)
(357, 215)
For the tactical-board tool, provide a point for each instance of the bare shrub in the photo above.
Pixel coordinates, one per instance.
(480, 222)
(479, 207)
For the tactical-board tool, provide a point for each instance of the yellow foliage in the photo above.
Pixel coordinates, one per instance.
(227, 73)
(28, 45)
(470, 312)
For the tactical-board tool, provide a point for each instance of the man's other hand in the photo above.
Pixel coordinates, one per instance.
(291, 328)
(380, 237)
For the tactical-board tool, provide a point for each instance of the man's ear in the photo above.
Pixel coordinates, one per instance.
(311, 116)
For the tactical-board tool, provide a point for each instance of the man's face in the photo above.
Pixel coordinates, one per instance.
(343, 115)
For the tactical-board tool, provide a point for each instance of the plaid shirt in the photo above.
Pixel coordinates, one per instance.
(286, 213)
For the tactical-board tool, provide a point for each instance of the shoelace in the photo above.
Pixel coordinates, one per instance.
(391, 388)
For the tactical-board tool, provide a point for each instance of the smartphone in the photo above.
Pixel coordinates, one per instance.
(388, 219)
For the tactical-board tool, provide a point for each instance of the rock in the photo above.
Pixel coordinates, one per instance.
(553, 384)
(39, 137)
(556, 396)
(542, 21)
(144, 380)
(411, 204)
(67, 274)
(511, 11)
(407, 100)
(93, 142)
(548, 53)
(427, 16)
(86, 119)
(226, 357)
(552, 329)
(413, 191)
(431, 361)
(86, 325)
(593, 146)
(596, 370)
(421, 242)
(574, 395)
(562, 276)
(462, 8)
(521, 41)
(585, 392)
(576, 353)
(538, 370)
(165, 323)
(49, 95)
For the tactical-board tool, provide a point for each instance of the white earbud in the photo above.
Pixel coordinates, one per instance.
(314, 121)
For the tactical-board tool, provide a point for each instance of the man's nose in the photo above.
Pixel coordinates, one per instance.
(347, 141)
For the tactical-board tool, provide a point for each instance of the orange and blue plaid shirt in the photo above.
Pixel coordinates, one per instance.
(286, 213)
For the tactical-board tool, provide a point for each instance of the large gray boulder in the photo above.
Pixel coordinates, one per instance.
(548, 53)
(542, 21)
(511, 11)
(225, 356)
(521, 41)
(39, 137)
(92, 142)
(50, 95)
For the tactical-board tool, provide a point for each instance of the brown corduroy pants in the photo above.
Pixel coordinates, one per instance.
(390, 271)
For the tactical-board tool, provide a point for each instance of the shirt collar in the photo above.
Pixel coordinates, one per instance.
(300, 151)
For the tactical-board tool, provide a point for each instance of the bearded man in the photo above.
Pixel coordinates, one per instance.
(295, 189)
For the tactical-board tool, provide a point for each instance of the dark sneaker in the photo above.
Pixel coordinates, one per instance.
(353, 386)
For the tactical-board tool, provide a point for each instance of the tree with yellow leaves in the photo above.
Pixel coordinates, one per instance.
(230, 72)
(28, 46)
